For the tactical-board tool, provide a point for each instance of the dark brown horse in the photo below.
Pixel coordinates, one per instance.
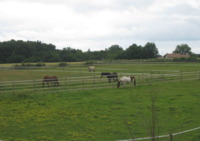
(110, 76)
(50, 81)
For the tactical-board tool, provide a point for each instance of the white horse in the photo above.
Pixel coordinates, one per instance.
(126, 79)
(91, 69)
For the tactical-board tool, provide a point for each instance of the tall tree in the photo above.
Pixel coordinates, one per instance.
(183, 49)
(114, 52)
(133, 52)
(149, 51)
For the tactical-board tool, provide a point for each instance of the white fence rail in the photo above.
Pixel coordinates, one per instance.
(162, 136)
(90, 82)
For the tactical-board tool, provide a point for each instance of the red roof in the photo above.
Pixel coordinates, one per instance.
(176, 55)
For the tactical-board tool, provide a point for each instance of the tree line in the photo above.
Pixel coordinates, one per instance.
(35, 51)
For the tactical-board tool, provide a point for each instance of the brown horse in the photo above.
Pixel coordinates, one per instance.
(50, 81)
(110, 76)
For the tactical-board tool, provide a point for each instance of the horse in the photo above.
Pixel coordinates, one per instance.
(110, 76)
(91, 69)
(125, 79)
(50, 81)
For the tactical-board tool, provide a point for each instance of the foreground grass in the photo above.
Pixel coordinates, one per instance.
(100, 114)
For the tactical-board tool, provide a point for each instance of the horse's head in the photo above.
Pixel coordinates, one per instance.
(133, 80)
(45, 80)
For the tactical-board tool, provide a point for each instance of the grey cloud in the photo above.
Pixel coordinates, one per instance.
(96, 24)
(182, 9)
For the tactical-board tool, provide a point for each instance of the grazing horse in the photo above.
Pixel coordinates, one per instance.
(125, 79)
(91, 69)
(110, 76)
(50, 81)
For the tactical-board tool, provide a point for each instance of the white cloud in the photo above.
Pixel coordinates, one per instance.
(98, 24)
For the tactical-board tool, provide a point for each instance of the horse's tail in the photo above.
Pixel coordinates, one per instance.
(118, 84)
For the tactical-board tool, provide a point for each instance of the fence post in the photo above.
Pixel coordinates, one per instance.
(163, 76)
(34, 83)
(171, 137)
(94, 81)
(199, 75)
(83, 84)
(65, 81)
(137, 79)
(13, 84)
(181, 76)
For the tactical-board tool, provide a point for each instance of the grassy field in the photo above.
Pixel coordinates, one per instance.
(100, 114)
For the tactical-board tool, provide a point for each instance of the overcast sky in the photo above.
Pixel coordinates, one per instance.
(98, 24)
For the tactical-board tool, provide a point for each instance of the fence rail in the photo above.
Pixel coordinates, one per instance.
(95, 81)
(162, 136)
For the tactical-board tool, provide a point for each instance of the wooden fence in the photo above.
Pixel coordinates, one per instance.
(94, 81)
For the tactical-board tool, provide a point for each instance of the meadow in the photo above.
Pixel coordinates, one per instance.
(101, 113)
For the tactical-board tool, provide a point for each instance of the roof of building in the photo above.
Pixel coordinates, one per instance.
(176, 55)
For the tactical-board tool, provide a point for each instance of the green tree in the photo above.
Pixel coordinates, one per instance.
(70, 54)
(114, 52)
(183, 49)
(149, 51)
(133, 52)
(15, 58)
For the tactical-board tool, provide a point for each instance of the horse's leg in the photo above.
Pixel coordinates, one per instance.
(134, 82)
(124, 84)
(53, 83)
(118, 84)
(110, 80)
(56, 82)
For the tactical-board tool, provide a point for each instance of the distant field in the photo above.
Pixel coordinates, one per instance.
(101, 114)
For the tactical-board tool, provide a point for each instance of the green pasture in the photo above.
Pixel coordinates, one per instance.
(80, 70)
(100, 114)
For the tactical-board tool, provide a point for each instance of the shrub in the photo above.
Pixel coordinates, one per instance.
(62, 64)
(40, 64)
(89, 63)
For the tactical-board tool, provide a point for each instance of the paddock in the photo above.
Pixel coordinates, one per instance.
(86, 107)
(94, 81)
